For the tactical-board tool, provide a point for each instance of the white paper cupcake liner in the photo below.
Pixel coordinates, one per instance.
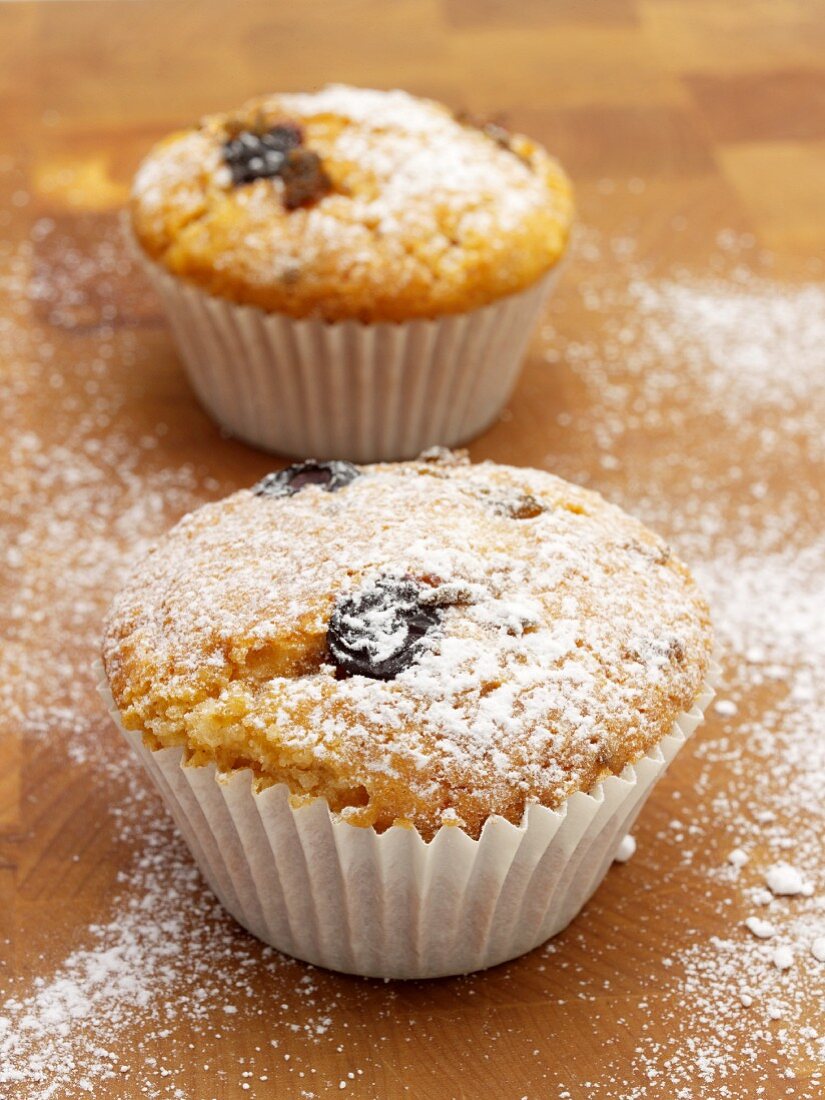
(391, 905)
(344, 389)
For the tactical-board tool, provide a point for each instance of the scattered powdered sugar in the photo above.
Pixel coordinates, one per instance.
(151, 989)
(585, 641)
(168, 951)
(77, 505)
(383, 632)
(701, 326)
(744, 351)
(418, 197)
(704, 368)
(420, 152)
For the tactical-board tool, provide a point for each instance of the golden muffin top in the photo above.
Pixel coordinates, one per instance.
(352, 204)
(426, 642)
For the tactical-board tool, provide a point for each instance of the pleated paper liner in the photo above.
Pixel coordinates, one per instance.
(345, 389)
(391, 905)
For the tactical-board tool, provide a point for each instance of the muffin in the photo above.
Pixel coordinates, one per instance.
(405, 713)
(351, 273)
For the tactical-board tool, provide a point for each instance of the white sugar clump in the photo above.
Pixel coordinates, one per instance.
(761, 896)
(726, 707)
(737, 857)
(783, 958)
(763, 929)
(818, 949)
(626, 849)
(782, 879)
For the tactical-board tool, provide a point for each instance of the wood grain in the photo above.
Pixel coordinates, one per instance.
(717, 110)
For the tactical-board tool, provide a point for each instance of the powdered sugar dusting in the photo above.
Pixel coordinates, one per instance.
(436, 212)
(423, 158)
(583, 643)
(76, 505)
(710, 1017)
(697, 364)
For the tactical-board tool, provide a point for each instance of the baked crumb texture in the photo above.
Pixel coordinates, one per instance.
(427, 215)
(569, 640)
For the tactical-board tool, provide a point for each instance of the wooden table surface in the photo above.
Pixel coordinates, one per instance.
(695, 133)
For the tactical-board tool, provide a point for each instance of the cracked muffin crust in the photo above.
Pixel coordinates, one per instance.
(349, 203)
(420, 643)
